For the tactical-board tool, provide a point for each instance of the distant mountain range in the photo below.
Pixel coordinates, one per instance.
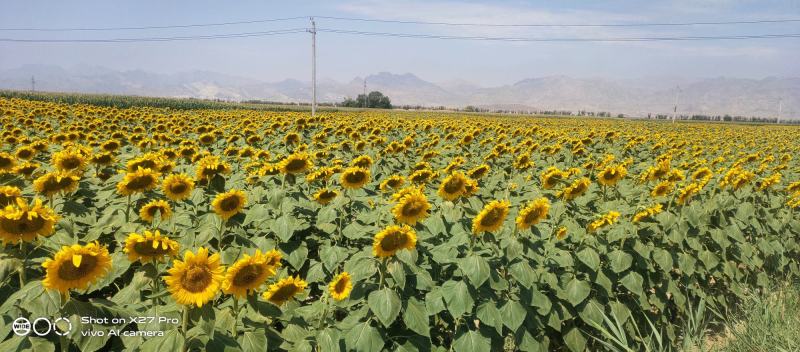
(714, 96)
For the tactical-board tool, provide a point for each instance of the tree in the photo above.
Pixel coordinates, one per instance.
(373, 100)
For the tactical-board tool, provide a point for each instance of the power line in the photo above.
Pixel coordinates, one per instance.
(664, 24)
(530, 39)
(160, 39)
(154, 27)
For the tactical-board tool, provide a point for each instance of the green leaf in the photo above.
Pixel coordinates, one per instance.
(364, 338)
(489, 315)
(589, 257)
(709, 259)
(327, 340)
(575, 340)
(252, 341)
(456, 295)
(633, 282)
(620, 261)
(523, 272)
(592, 311)
(577, 291)
(385, 304)
(513, 314)
(476, 269)
(541, 301)
(664, 259)
(171, 341)
(284, 227)
(416, 317)
(687, 264)
(472, 341)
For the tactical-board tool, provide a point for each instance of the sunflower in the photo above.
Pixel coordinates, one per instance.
(702, 173)
(283, 290)
(210, 166)
(688, 192)
(392, 239)
(453, 186)
(103, 159)
(393, 182)
(229, 203)
(325, 196)
(576, 189)
(69, 160)
(551, 177)
(247, 274)
(177, 187)
(491, 218)
(26, 169)
(138, 181)
(411, 207)
(23, 222)
(56, 182)
(770, 181)
(422, 176)
(160, 207)
(364, 161)
(648, 213)
(76, 266)
(478, 171)
(296, 163)
(662, 188)
(354, 177)
(533, 213)
(7, 162)
(607, 219)
(149, 247)
(9, 195)
(25, 153)
(561, 233)
(196, 279)
(611, 175)
(340, 286)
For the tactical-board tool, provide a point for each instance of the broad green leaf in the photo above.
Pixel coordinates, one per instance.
(633, 281)
(364, 338)
(575, 340)
(513, 314)
(385, 304)
(589, 257)
(458, 298)
(476, 269)
(577, 291)
(472, 341)
(620, 261)
(416, 317)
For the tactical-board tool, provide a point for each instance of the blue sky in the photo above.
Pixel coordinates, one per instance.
(343, 57)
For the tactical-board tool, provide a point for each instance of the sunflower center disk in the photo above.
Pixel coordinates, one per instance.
(247, 275)
(68, 271)
(196, 279)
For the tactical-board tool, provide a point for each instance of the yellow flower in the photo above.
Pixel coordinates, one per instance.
(793, 187)
(608, 219)
(7, 162)
(210, 166)
(453, 186)
(229, 203)
(247, 274)
(392, 239)
(688, 192)
(769, 181)
(561, 233)
(491, 218)
(411, 207)
(296, 163)
(177, 187)
(69, 160)
(662, 188)
(340, 286)
(354, 177)
(76, 266)
(325, 196)
(160, 207)
(138, 181)
(282, 291)
(9, 195)
(363, 161)
(576, 189)
(647, 213)
(149, 247)
(22, 222)
(552, 176)
(611, 175)
(393, 182)
(702, 173)
(56, 182)
(196, 279)
(535, 212)
(479, 171)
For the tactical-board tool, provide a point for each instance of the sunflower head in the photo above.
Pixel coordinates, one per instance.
(363, 161)
(284, 290)
(76, 266)
(551, 177)
(177, 187)
(479, 171)
(209, 166)
(576, 189)
(229, 203)
(196, 279)
(607, 219)
(393, 182)
(412, 206)
(561, 233)
(69, 160)
(340, 286)
(491, 218)
(354, 177)
(138, 181)
(149, 247)
(611, 175)
(325, 196)
(56, 182)
(453, 186)
(7, 162)
(533, 213)
(392, 239)
(296, 163)
(9, 195)
(662, 188)
(24, 222)
(155, 207)
(248, 273)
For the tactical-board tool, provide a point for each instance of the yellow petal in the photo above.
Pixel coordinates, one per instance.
(76, 260)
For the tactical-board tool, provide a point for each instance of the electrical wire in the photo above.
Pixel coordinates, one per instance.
(154, 27)
(160, 39)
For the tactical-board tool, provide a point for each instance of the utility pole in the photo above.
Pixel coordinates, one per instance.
(780, 109)
(313, 32)
(675, 108)
(33, 84)
(365, 92)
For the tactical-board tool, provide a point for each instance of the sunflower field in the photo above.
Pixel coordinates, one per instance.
(156, 230)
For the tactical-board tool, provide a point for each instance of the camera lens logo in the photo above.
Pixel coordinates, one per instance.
(21, 327)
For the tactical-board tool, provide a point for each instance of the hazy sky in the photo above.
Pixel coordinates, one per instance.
(342, 57)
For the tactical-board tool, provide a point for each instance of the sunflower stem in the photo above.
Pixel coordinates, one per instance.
(221, 231)
(324, 313)
(128, 210)
(22, 274)
(235, 316)
(185, 322)
(64, 343)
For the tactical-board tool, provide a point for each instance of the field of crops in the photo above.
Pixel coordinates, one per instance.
(251, 230)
